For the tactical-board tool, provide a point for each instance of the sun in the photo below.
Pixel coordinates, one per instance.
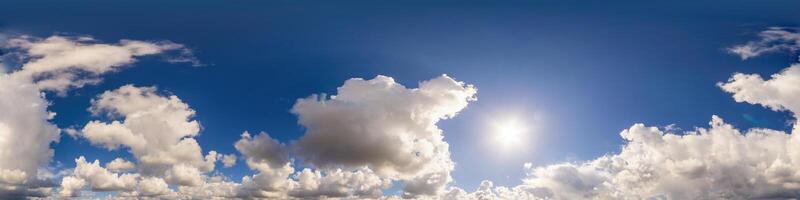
(509, 133)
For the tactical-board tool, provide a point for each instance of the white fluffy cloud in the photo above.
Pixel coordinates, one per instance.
(53, 64)
(158, 131)
(719, 162)
(361, 183)
(120, 165)
(779, 93)
(276, 178)
(97, 178)
(372, 132)
(25, 130)
(228, 160)
(772, 40)
(262, 149)
(385, 126)
(102, 179)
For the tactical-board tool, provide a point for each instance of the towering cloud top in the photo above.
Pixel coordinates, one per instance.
(385, 126)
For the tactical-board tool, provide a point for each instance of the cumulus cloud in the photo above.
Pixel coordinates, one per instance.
(371, 133)
(93, 177)
(214, 188)
(719, 162)
(25, 130)
(32, 66)
(71, 186)
(385, 126)
(157, 130)
(394, 119)
(101, 179)
(281, 181)
(780, 93)
(771, 40)
(262, 149)
(361, 183)
(153, 186)
(120, 165)
(228, 160)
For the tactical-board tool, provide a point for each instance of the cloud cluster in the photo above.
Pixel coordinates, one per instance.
(380, 124)
(53, 64)
(25, 131)
(157, 130)
(719, 162)
(277, 178)
(369, 134)
(401, 121)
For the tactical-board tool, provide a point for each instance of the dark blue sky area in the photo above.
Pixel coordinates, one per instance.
(579, 72)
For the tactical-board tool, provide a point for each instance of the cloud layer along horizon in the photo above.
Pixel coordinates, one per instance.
(371, 134)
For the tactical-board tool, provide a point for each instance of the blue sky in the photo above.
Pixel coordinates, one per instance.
(576, 73)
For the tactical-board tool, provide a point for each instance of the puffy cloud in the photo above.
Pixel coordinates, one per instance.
(772, 40)
(779, 93)
(215, 188)
(415, 112)
(152, 186)
(262, 149)
(281, 181)
(487, 191)
(31, 66)
(112, 135)
(285, 183)
(12, 176)
(25, 131)
(276, 177)
(228, 160)
(361, 183)
(182, 174)
(71, 186)
(120, 165)
(270, 159)
(720, 162)
(157, 130)
(97, 178)
(385, 126)
(373, 132)
(269, 182)
(101, 179)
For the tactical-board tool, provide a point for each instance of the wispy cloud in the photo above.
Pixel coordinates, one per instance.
(771, 40)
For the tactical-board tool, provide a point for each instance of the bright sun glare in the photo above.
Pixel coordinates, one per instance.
(509, 133)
